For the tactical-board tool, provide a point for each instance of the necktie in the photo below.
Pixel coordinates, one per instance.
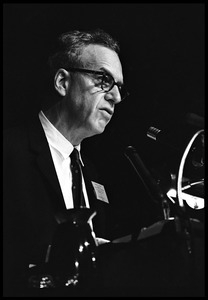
(78, 196)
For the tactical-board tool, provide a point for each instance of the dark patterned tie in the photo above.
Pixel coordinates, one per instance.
(78, 196)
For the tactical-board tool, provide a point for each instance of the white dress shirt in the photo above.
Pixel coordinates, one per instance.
(61, 149)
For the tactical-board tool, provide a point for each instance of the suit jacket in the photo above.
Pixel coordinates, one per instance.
(33, 198)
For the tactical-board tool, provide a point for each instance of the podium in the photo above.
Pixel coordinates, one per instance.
(157, 263)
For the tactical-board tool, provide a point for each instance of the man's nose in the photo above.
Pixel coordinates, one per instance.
(114, 95)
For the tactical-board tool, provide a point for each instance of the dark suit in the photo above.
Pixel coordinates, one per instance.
(32, 198)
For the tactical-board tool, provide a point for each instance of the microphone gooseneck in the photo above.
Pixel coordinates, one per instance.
(142, 171)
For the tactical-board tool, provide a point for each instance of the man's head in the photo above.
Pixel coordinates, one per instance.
(88, 76)
(72, 43)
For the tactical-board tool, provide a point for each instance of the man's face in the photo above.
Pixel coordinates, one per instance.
(89, 106)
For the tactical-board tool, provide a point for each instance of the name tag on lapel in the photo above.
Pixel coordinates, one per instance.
(100, 192)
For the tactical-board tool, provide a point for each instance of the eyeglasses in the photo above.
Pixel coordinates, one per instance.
(106, 81)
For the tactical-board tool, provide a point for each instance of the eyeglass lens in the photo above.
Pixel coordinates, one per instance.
(108, 83)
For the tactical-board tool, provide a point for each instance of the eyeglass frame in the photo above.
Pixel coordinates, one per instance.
(101, 73)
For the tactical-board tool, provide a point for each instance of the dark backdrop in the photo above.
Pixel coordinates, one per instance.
(163, 58)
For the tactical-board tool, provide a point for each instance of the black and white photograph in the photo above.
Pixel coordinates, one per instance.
(103, 149)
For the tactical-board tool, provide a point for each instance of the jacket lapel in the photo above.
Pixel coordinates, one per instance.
(40, 145)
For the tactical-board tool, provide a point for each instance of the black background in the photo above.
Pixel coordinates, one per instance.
(162, 51)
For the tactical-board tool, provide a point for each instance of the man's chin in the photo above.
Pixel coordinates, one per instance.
(100, 127)
(97, 128)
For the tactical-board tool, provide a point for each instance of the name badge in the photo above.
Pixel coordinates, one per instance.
(100, 192)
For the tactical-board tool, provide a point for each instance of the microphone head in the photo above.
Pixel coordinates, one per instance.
(152, 132)
(174, 139)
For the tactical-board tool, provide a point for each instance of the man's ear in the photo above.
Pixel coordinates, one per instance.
(61, 81)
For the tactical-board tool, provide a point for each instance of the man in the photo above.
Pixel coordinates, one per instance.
(88, 84)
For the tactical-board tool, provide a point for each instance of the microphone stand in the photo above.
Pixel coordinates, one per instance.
(181, 219)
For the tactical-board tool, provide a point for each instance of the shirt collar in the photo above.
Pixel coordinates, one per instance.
(56, 139)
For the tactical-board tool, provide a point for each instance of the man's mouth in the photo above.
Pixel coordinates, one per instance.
(108, 110)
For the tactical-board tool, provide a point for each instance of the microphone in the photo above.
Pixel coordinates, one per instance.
(149, 182)
(177, 137)
(174, 140)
